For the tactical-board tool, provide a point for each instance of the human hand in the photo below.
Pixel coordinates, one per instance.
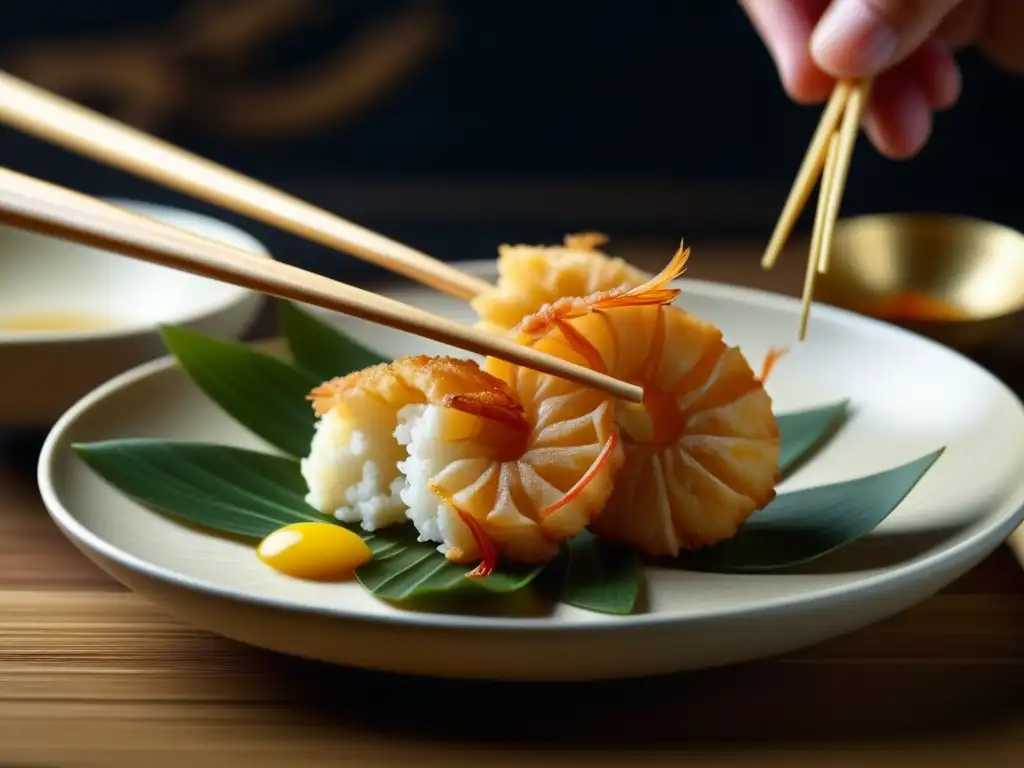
(906, 45)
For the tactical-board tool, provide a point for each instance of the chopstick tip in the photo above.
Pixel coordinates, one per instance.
(771, 255)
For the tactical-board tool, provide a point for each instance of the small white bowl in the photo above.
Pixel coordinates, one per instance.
(103, 310)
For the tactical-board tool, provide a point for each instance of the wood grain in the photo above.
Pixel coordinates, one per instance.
(91, 675)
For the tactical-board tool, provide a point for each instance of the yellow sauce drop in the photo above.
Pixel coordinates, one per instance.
(53, 321)
(315, 551)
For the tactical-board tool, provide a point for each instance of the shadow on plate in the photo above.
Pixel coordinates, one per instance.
(877, 551)
(872, 552)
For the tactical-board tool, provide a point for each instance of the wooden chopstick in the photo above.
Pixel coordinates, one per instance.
(41, 207)
(829, 155)
(822, 232)
(49, 117)
(849, 129)
(807, 175)
(814, 261)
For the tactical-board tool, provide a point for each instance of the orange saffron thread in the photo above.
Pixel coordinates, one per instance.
(657, 348)
(513, 418)
(487, 549)
(582, 345)
(770, 360)
(588, 477)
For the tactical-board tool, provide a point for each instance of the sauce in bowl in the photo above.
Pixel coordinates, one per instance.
(53, 322)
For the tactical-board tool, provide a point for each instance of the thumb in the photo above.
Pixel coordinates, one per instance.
(860, 38)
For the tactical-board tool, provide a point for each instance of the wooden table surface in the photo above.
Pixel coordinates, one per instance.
(90, 674)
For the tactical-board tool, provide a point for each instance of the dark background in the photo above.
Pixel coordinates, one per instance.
(529, 119)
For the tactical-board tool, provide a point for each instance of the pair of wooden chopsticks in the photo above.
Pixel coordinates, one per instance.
(46, 116)
(41, 207)
(828, 156)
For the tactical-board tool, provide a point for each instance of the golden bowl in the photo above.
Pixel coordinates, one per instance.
(955, 279)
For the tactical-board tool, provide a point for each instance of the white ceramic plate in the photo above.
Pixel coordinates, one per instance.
(910, 396)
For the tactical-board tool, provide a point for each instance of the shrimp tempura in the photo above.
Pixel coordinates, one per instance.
(702, 451)
(486, 467)
(530, 277)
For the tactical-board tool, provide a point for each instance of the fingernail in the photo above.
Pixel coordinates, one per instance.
(852, 40)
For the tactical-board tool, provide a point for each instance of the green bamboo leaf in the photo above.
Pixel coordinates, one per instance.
(251, 494)
(600, 576)
(802, 526)
(411, 568)
(319, 348)
(804, 432)
(264, 394)
(232, 490)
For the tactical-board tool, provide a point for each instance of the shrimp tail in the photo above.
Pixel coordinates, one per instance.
(653, 292)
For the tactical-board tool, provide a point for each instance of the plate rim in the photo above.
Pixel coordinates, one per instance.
(1010, 514)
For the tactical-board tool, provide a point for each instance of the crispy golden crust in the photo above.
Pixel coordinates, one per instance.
(531, 276)
(585, 241)
(701, 452)
(543, 319)
(651, 292)
(445, 381)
